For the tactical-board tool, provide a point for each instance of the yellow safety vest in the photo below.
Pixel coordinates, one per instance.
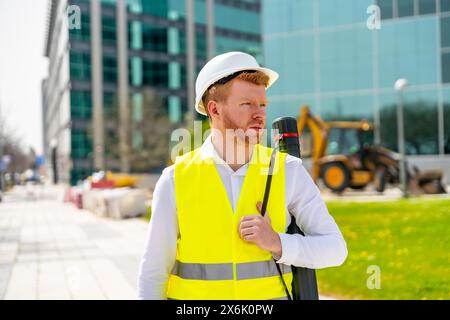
(212, 261)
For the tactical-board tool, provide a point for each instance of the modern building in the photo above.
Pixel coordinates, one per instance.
(121, 73)
(331, 56)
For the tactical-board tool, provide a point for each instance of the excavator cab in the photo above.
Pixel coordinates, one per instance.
(344, 162)
(338, 150)
(349, 141)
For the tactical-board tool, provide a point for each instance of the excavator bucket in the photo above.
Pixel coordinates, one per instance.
(428, 182)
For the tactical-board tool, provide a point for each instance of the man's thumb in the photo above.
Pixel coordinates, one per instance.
(259, 206)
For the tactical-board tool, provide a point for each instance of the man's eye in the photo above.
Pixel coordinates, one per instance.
(245, 104)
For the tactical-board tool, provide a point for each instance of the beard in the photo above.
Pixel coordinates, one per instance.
(235, 141)
(246, 136)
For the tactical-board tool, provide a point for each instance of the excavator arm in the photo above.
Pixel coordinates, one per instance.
(319, 131)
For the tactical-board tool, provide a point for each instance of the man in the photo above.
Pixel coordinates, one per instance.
(207, 238)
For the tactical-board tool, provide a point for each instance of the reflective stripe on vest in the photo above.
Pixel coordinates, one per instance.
(259, 269)
(224, 271)
(213, 261)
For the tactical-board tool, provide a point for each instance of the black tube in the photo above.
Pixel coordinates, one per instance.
(304, 283)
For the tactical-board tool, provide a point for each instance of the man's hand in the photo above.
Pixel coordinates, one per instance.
(258, 230)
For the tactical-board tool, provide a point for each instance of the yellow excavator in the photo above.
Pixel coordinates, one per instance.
(343, 155)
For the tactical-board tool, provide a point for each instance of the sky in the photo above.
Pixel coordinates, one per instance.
(22, 68)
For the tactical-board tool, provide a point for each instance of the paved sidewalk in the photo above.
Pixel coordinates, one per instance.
(51, 250)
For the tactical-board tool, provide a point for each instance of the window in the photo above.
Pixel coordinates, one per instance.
(447, 120)
(297, 15)
(236, 19)
(183, 77)
(367, 138)
(200, 44)
(338, 12)
(405, 8)
(343, 141)
(109, 2)
(154, 8)
(174, 75)
(155, 74)
(427, 6)
(154, 38)
(296, 77)
(388, 120)
(347, 107)
(445, 32)
(175, 109)
(80, 104)
(342, 66)
(81, 144)
(80, 65)
(109, 31)
(173, 40)
(445, 6)
(409, 54)
(135, 74)
(109, 69)
(225, 44)
(422, 138)
(137, 140)
(446, 67)
(137, 107)
(420, 109)
(134, 6)
(386, 9)
(135, 35)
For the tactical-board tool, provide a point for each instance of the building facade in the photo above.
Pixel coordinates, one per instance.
(122, 75)
(331, 56)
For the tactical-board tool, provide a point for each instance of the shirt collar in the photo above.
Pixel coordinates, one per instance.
(207, 150)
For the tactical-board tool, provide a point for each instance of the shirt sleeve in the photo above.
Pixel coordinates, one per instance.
(160, 246)
(323, 244)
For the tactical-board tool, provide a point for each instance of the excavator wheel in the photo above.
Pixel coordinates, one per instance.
(335, 176)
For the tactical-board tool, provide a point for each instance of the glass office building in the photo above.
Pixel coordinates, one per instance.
(331, 59)
(128, 61)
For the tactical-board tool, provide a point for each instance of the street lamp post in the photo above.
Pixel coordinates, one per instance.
(399, 86)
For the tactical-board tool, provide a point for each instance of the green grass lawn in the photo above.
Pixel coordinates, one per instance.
(409, 240)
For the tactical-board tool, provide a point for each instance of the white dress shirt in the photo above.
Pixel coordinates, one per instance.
(322, 246)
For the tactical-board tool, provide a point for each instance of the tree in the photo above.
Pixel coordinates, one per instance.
(150, 136)
(421, 130)
(12, 146)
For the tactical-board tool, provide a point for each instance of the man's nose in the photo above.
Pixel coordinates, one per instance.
(259, 112)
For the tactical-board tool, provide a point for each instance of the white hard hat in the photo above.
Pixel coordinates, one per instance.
(222, 66)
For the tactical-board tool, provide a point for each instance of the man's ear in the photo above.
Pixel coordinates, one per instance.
(213, 108)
